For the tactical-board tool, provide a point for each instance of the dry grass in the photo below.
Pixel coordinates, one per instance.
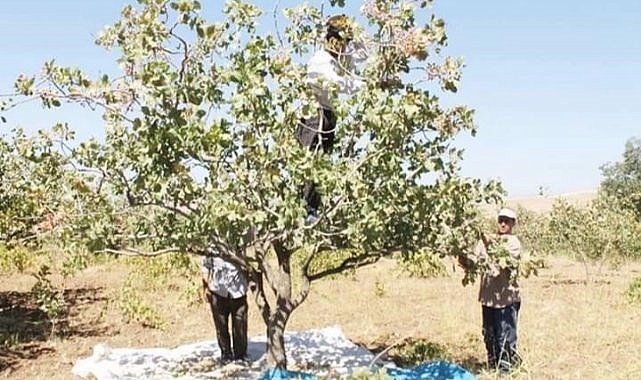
(568, 329)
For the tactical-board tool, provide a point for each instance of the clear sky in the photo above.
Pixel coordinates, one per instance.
(556, 85)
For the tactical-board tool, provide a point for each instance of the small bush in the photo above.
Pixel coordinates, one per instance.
(9, 340)
(14, 259)
(136, 309)
(379, 288)
(74, 262)
(192, 293)
(413, 352)
(165, 266)
(49, 299)
(633, 294)
(159, 273)
(367, 374)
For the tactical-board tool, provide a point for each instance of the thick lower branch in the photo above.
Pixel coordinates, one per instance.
(350, 263)
(136, 252)
(302, 293)
(259, 295)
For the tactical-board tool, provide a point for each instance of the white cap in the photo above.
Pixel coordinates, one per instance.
(508, 213)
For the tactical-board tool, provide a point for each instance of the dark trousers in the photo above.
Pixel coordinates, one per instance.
(221, 309)
(316, 133)
(499, 334)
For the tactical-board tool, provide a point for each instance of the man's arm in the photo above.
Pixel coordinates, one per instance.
(205, 292)
(205, 275)
(514, 246)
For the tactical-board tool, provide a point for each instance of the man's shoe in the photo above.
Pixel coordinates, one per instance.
(242, 360)
(226, 359)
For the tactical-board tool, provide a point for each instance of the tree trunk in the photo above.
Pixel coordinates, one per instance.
(276, 357)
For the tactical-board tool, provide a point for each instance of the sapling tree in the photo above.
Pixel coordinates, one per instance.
(199, 151)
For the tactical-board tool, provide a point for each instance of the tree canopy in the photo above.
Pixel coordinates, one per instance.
(200, 154)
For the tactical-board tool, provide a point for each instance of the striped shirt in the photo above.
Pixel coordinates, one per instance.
(224, 278)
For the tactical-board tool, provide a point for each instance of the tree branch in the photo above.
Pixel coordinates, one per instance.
(351, 263)
(276, 28)
(132, 252)
(305, 281)
(259, 296)
(268, 273)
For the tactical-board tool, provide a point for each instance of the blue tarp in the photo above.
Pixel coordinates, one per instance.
(440, 370)
(283, 374)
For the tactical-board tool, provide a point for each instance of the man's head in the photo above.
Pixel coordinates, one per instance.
(506, 220)
(339, 33)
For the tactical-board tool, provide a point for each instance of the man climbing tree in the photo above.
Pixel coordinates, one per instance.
(330, 65)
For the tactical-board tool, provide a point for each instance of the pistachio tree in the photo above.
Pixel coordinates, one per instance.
(36, 186)
(199, 151)
(622, 179)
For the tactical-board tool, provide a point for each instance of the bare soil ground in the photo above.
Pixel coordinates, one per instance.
(569, 328)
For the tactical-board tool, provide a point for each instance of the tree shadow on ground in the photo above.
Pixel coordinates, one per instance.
(24, 328)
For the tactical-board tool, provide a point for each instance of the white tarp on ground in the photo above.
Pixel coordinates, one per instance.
(315, 351)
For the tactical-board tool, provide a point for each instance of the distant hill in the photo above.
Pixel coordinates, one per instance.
(543, 204)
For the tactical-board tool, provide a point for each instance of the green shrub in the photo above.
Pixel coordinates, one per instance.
(379, 288)
(158, 273)
(416, 351)
(601, 231)
(73, 263)
(368, 374)
(14, 259)
(633, 294)
(192, 293)
(154, 275)
(134, 308)
(49, 299)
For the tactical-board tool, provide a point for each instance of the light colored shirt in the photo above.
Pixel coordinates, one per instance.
(497, 289)
(323, 71)
(224, 278)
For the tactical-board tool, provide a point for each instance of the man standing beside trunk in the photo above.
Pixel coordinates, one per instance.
(225, 288)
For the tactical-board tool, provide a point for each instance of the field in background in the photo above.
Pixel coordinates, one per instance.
(569, 328)
(543, 203)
